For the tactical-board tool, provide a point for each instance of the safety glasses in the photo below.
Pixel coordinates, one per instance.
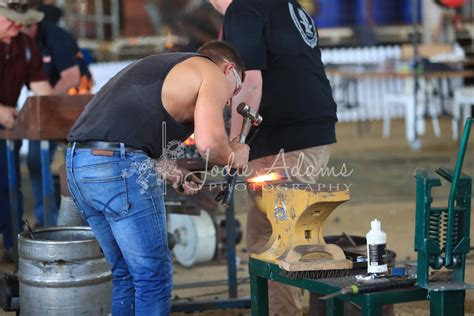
(238, 80)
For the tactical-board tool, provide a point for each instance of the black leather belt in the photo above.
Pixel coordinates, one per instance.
(112, 146)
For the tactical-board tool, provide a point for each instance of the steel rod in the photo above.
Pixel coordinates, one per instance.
(47, 183)
(416, 65)
(12, 183)
(208, 283)
(449, 262)
(231, 253)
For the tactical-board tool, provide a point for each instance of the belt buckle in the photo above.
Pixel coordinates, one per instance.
(102, 152)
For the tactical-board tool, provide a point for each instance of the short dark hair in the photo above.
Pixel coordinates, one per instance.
(217, 51)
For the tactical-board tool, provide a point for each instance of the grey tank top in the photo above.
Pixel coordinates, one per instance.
(129, 108)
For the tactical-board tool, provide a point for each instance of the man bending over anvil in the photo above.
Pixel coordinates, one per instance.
(111, 167)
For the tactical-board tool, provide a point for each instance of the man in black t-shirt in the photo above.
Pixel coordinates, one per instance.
(59, 49)
(287, 83)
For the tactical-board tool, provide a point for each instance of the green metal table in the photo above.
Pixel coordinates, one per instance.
(371, 303)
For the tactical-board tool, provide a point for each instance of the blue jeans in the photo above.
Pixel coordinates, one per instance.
(121, 198)
(34, 168)
(5, 218)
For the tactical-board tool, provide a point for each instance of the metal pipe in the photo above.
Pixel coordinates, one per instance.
(81, 20)
(90, 18)
(49, 207)
(99, 23)
(115, 18)
(231, 253)
(449, 262)
(208, 283)
(12, 183)
(416, 76)
(187, 307)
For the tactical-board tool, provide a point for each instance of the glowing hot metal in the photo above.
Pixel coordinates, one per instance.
(263, 179)
(266, 178)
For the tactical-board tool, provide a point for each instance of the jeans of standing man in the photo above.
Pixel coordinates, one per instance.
(36, 178)
(121, 198)
(5, 211)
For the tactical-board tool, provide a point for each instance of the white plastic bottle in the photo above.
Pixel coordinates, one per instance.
(376, 249)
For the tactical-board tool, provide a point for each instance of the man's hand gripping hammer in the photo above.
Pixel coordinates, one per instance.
(251, 118)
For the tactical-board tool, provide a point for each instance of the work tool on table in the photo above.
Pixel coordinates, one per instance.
(369, 303)
(372, 286)
(251, 118)
(442, 234)
(297, 213)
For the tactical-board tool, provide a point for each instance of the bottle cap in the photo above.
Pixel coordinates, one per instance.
(375, 224)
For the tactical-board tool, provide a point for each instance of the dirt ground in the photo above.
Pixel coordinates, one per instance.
(382, 186)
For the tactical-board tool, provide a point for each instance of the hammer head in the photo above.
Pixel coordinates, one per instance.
(247, 112)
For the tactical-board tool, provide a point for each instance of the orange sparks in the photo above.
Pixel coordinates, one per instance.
(266, 178)
(190, 140)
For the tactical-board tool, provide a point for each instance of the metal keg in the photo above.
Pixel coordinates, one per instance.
(62, 271)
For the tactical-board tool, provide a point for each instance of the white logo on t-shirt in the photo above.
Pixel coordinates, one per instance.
(305, 25)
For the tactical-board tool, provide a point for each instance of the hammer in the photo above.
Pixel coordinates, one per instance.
(250, 118)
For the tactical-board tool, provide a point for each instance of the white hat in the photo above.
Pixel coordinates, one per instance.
(20, 12)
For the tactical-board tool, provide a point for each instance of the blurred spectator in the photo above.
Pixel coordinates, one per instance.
(20, 61)
(67, 73)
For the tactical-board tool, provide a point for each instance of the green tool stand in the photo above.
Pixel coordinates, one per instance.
(442, 240)
(371, 303)
(442, 233)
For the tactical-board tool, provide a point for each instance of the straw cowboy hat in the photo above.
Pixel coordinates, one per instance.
(19, 11)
